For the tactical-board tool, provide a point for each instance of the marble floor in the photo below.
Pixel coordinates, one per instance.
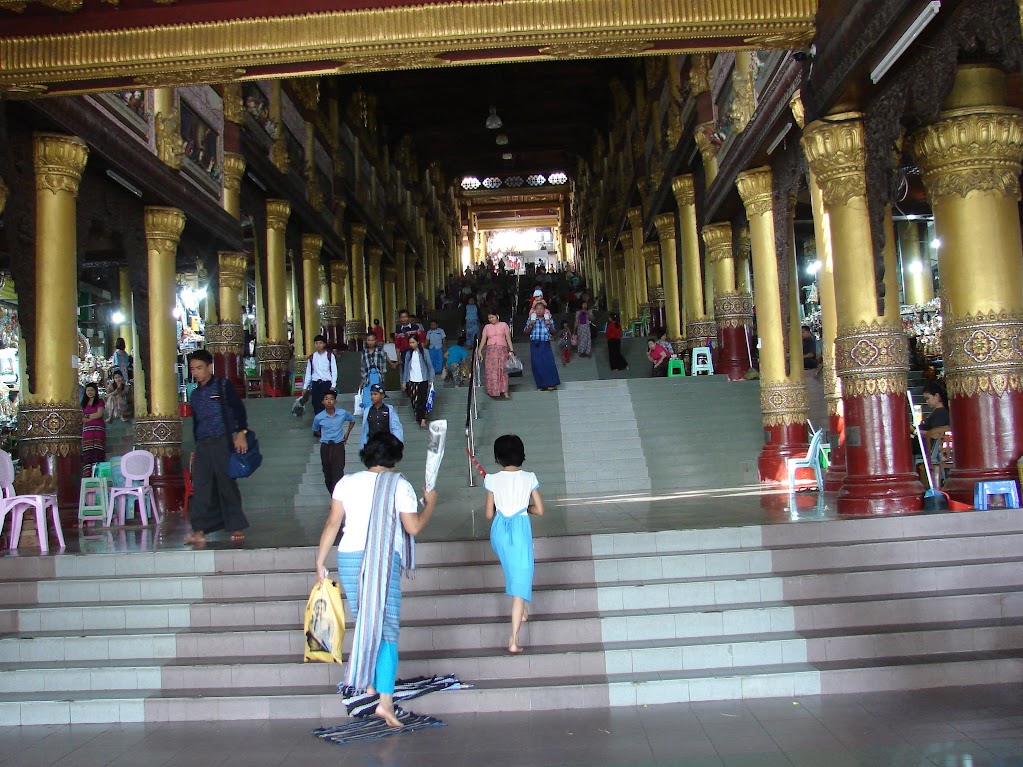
(968, 727)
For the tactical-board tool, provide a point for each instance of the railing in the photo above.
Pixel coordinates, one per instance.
(472, 412)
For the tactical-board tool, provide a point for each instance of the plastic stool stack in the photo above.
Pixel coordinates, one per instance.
(984, 490)
(702, 361)
(676, 368)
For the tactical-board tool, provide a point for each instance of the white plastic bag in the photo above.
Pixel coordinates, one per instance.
(357, 410)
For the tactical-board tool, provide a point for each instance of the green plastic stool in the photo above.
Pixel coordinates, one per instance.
(676, 369)
(94, 509)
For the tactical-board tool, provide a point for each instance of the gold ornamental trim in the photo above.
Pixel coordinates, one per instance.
(277, 213)
(651, 252)
(58, 161)
(279, 153)
(832, 384)
(684, 190)
(744, 101)
(835, 151)
(159, 434)
(796, 105)
(872, 358)
(232, 265)
(234, 169)
(679, 345)
(698, 332)
(699, 73)
(664, 223)
(224, 338)
(234, 105)
(355, 328)
(332, 314)
(966, 152)
(398, 37)
(701, 134)
(755, 190)
(163, 227)
(983, 353)
(358, 232)
(339, 270)
(718, 239)
(635, 216)
(784, 403)
(273, 355)
(170, 147)
(312, 244)
(733, 310)
(49, 429)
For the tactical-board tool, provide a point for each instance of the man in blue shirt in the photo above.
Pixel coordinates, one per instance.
(380, 417)
(219, 425)
(328, 425)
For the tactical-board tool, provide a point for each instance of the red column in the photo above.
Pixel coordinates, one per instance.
(161, 436)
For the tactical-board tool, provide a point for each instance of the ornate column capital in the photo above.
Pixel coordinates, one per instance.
(755, 190)
(164, 224)
(684, 190)
(339, 270)
(234, 169)
(374, 254)
(312, 244)
(159, 434)
(232, 265)
(58, 161)
(871, 358)
(358, 233)
(836, 153)
(796, 105)
(708, 149)
(970, 151)
(699, 73)
(234, 106)
(170, 147)
(665, 225)
(277, 213)
(983, 352)
(718, 239)
(390, 273)
(783, 403)
(635, 216)
(651, 254)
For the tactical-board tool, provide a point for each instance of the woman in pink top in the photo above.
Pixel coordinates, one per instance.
(495, 347)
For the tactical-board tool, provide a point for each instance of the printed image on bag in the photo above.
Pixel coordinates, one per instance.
(324, 623)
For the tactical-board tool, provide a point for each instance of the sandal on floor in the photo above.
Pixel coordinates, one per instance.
(238, 536)
(195, 538)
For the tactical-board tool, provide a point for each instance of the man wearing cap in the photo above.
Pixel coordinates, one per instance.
(379, 416)
(328, 426)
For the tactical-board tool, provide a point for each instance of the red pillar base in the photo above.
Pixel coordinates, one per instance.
(781, 443)
(987, 441)
(276, 382)
(231, 365)
(658, 319)
(168, 484)
(836, 470)
(733, 355)
(879, 479)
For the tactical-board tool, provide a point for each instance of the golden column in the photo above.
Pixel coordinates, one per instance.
(617, 263)
(274, 352)
(871, 349)
(743, 248)
(637, 271)
(401, 284)
(699, 327)
(829, 323)
(665, 224)
(628, 282)
(655, 289)
(312, 244)
(234, 169)
(226, 340)
(410, 282)
(279, 149)
(332, 313)
(733, 312)
(374, 257)
(970, 158)
(127, 309)
(159, 429)
(390, 275)
(916, 267)
(50, 414)
(170, 148)
(357, 326)
(708, 150)
(783, 400)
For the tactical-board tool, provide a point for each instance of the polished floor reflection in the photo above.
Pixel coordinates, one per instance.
(971, 727)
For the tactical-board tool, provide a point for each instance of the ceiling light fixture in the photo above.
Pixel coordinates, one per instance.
(502, 139)
(493, 121)
(925, 17)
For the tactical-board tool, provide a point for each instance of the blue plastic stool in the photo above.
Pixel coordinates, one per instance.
(984, 490)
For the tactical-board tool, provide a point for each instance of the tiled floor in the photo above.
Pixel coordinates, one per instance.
(971, 727)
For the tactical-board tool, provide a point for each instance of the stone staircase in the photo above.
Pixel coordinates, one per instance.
(617, 619)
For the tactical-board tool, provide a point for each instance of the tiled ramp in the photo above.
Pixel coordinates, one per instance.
(618, 619)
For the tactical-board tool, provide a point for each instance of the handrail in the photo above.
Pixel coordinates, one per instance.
(472, 410)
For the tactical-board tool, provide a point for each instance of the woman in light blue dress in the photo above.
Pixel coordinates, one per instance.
(472, 322)
(512, 495)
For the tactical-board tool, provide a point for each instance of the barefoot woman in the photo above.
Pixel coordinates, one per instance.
(382, 515)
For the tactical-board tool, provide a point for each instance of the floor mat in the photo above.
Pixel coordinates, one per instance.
(371, 728)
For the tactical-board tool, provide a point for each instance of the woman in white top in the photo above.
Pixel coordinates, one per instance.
(418, 377)
(513, 494)
(381, 514)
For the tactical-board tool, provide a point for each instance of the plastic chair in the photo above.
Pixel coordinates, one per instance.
(17, 505)
(641, 324)
(136, 466)
(676, 369)
(98, 487)
(702, 361)
(984, 490)
(812, 460)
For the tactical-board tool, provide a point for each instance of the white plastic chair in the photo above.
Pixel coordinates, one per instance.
(702, 361)
(17, 505)
(812, 460)
(136, 466)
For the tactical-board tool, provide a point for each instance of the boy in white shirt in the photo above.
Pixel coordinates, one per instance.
(320, 373)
